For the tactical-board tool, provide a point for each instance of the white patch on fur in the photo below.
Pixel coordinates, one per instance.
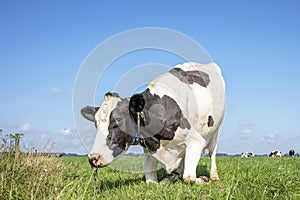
(102, 118)
(197, 104)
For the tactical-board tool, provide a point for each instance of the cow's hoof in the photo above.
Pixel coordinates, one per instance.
(205, 179)
(168, 178)
(202, 180)
(214, 178)
(190, 180)
(149, 181)
(165, 181)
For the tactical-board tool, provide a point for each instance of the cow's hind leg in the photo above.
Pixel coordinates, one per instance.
(212, 148)
(192, 157)
(150, 168)
(213, 168)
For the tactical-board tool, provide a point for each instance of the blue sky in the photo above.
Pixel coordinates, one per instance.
(256, 43)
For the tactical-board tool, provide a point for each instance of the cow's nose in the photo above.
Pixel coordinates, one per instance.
(95, 160)
(92, 161)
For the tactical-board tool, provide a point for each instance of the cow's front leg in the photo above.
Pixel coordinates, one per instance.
(180, 169)
(150, 168)
(192, 157)
(168, 178)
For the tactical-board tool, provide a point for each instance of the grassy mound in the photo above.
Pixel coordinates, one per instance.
(28, 176)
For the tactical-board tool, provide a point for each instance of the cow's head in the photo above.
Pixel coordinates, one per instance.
(116, 128)
(116, 120)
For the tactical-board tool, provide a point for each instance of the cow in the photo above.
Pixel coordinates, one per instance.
(247, 154)
(175, 119)
(275, 154)
(292, 152)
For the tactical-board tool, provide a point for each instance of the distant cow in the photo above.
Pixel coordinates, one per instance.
(174, 120)
(292, 153)
(275, 154)
(248, 154)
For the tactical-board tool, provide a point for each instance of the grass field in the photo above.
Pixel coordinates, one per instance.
(35, 177)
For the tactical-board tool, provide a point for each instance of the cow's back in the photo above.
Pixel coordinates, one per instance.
(216, 88)
(196, 101)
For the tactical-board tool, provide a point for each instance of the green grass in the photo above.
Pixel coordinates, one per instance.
(34, 177)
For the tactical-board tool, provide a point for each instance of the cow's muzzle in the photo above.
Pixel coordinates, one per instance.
(96, 160)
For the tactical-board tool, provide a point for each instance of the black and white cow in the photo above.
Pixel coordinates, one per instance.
(175, 119)
(292, 152)
(247, 154)
(275, 154)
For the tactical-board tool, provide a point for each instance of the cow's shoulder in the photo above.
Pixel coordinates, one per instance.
(161, 117)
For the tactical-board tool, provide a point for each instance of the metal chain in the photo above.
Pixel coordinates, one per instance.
(138, 130)
(138, 123)
(96, 183)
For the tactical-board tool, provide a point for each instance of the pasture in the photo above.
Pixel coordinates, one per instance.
(38, 177)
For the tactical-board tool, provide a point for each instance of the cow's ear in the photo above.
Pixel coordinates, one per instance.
(136, 103)
(89, 112)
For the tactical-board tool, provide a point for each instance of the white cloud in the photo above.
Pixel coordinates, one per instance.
(64, 140)
(69, 143)
(246, 133)
(246, 124)
(67, 131)
(88, 128)
(245, 129)
(271, 137)
(25, 127)
(54, 91)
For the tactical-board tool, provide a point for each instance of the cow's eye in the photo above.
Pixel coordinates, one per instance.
(118, 119)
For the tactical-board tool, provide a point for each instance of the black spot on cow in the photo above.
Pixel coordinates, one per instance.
(292, 153)
(136, 104)
(121, 129)
(210, 121)
(161, 118)
(89, 112)
(185, 123)
(189, 77)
